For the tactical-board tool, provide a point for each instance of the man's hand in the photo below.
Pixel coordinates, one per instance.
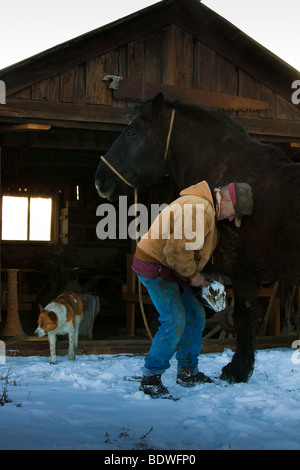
(199, 280)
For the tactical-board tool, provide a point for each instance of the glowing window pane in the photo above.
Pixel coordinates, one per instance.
(14, 218)
(40, 219)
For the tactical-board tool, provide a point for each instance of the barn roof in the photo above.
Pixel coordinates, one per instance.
(191, 15)
(179, 47)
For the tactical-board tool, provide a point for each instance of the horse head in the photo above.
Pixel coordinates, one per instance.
(136, 159)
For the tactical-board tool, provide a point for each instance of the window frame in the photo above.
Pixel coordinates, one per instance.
(54, 216)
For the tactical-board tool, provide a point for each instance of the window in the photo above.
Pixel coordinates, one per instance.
(26, 218)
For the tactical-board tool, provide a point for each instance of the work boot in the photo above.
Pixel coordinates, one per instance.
(186, 379)
(152, 385)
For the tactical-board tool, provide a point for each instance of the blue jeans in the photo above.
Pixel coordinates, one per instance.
(182, 321)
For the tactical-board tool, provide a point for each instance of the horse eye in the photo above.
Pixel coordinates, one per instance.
(130, 133)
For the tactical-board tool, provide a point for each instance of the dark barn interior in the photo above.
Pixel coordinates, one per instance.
(66, 106)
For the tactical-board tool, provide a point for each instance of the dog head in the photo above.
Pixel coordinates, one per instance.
(47, 321)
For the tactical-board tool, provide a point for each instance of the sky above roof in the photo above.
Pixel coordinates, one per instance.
(30, 27)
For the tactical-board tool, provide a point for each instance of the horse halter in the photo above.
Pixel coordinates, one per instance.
(116, 172)
(165, 154)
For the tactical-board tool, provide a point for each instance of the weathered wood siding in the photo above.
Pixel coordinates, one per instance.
(171, 56)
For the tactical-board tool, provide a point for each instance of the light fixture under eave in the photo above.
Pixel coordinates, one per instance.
(24, 127)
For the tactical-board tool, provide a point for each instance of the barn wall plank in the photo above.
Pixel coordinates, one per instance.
(121, 58)
(135, 59)
(248, 87)
(40, 90)
(135, 62)
(177, 57)
(286, 110)
(270, 96)
(23, 94)
(112, 63)
(204, 74)
(72, 85)
(226, 76)
(96, 92)
(169, 55)
(153, 57)
(54, 88)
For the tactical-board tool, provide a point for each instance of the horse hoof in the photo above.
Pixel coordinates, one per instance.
(230, 375)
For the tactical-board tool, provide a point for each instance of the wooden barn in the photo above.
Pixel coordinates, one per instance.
(65, 107)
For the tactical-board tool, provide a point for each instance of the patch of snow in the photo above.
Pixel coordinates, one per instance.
(86, 404)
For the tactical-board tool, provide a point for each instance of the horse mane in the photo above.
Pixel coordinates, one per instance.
(204, 115)
(210, 115)
(230, 129)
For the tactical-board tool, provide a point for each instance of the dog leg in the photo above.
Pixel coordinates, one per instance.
(52, 344)
(77, 325)
(71, 352)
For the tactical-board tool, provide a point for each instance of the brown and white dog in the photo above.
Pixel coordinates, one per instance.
(60, 317)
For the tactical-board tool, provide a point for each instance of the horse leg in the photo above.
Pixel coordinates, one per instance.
(245, 311)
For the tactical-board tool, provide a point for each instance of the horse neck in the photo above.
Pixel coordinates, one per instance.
(204, 149)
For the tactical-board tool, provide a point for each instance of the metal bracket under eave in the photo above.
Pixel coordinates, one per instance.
(115, 81)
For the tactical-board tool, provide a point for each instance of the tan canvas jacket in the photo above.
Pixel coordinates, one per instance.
(177, 244)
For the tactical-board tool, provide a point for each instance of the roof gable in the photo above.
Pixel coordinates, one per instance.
(195, 18)
(179, 43)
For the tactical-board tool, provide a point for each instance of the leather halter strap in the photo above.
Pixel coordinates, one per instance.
(165, 155)
(116, 172)
(169, 134)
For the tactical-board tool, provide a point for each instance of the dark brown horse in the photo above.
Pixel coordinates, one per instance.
(209, 145)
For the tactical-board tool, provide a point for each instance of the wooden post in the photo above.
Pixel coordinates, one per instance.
(12, 325)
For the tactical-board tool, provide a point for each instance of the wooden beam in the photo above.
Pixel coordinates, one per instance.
(32, 346)
(295, 144)
(65, 124)
(92, 116)
(140, 90)
(270, 127)
(25, 127)
(61, 139)
(26, 109)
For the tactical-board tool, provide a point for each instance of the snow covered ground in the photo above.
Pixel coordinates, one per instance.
(86, 404)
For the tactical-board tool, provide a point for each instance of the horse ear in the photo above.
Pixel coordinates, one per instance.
(153, 110)
(158, 103)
